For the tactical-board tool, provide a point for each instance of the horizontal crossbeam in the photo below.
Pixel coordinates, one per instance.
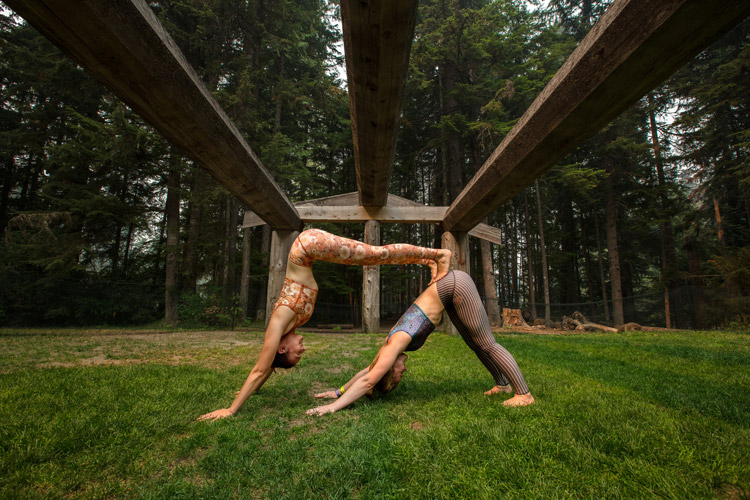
(342, 208)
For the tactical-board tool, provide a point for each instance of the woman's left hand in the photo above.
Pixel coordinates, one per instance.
(328, 394)
(320, 410)
(216, 415)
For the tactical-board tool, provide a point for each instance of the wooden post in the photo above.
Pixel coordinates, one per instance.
(458, 243)
(281, 243)
(371, 284)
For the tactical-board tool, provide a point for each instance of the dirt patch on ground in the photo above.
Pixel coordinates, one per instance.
(731, 492)
(339, 369)
(62, 349)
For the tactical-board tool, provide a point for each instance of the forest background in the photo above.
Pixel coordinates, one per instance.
(653, 211)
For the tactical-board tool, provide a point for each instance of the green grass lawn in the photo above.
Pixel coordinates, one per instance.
(110, 414)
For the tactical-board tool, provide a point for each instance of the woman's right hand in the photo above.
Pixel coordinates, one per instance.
(328, 394)
(216, 415)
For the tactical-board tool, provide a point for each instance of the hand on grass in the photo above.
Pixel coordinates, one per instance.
(328, 394)
(320, 410)
(216, 415)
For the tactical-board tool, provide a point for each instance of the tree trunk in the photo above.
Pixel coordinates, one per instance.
(278, 97)
(115, 250)
(230, 246)
(173, 229)
(569, 282)
(453, 141)
(720, 228)
(699, 301)
(543, 251)
(197, 191)
(614, 253)
(443, 178)
(514, 255)
(628, 293)
(9, 168)
(128, 243)
(490, 293)
(587, 266)
(602, 276)
(668, 255)
(245, 277)
(529, 255)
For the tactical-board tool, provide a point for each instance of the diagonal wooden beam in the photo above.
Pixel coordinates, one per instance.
(635, 45)
(377, 40)
(122, 44)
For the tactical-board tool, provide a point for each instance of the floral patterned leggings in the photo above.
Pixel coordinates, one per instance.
(314, 244)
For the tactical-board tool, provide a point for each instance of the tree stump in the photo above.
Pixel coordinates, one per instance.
(513, 318)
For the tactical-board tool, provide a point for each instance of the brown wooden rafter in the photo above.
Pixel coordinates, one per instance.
(635, 45)
(377, 40)
(122, 44)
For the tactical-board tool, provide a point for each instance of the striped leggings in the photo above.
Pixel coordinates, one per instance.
(460, 297)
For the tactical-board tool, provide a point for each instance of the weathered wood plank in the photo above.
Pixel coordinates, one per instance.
(122, 44)
(371, 283)
(377, 41)
(407, 215)
(635, 45)
(486, 232)
(482, 231)
(281, 243)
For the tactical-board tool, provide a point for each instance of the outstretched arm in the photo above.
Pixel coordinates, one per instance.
(332, 393)
(280, 322)
(365, 380)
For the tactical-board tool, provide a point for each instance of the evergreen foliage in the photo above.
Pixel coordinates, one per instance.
(84, 181)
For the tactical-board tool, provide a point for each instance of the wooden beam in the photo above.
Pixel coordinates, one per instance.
(371, 283)
(486, 232)
(281, 243)
(377, 40)
(635, 45)
(356, 213)
(122, 44)
(482, 231)
(407, 215)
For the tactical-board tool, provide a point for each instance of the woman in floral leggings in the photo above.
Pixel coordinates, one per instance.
(282, 347)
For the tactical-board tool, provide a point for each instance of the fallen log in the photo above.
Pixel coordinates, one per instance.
(579, 322)
(629, 327)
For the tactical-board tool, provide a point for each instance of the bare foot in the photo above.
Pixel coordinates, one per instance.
(498, 389)
(443, 260)
(433, 270)
(519, 400)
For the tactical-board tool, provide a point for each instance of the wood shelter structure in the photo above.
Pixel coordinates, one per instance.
(633, 47)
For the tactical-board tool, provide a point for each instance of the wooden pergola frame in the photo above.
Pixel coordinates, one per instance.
(633, 47)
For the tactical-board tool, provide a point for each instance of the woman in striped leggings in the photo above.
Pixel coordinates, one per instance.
(456, 294)
(282, 347)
